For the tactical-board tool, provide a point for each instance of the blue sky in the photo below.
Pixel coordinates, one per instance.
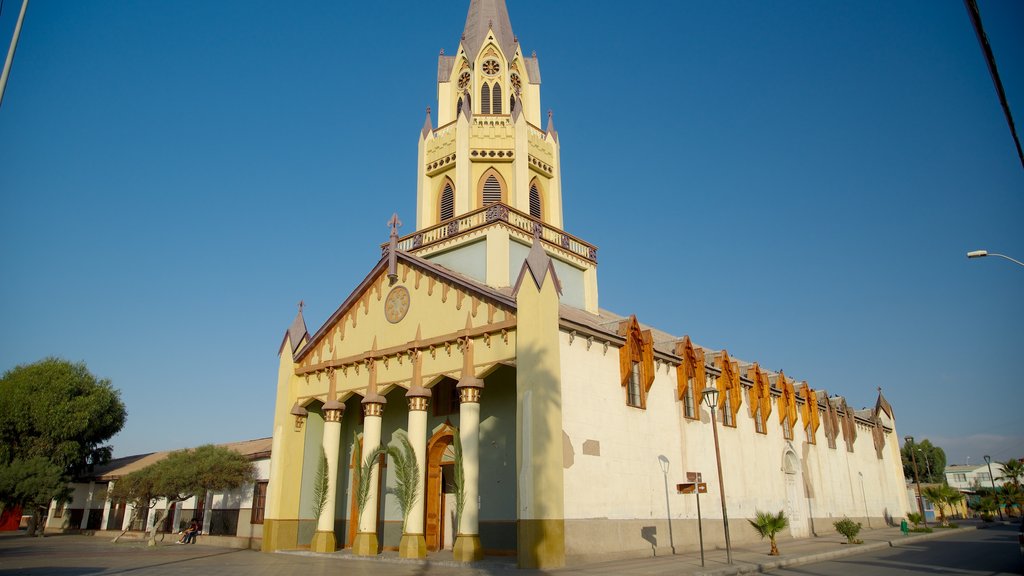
(797, 182)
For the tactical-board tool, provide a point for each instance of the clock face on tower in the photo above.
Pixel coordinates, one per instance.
(396, 305)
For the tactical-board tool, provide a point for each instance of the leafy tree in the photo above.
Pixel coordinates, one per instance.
(768, 525)
(182, 475)
(138, 490)
(32, 484)
(931, 462)
(58, 410)
(321, 486)
(942, 495)
(55, 418)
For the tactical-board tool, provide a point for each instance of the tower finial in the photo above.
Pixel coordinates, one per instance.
(302, 303)
(393, 249)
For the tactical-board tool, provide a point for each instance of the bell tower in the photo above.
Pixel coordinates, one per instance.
(488, 161)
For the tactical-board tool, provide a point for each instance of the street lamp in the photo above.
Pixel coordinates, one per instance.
(711, 401)
(984, 253)
(920, 501)
(988, 461)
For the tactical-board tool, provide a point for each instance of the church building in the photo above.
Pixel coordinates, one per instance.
(541, 425)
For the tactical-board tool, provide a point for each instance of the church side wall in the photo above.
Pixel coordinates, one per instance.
(622, 464)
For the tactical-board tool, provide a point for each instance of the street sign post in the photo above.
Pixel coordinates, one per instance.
(693, 485)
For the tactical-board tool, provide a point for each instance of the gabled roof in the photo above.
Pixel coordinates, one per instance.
(487, 15)
(482, 291)
(120, 467)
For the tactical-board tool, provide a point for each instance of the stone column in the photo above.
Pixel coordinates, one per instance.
(467, 546)
(366, 543)
(324, 539)
(88, 506)
(414, 544)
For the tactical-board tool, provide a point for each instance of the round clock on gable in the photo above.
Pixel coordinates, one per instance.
(397, 304)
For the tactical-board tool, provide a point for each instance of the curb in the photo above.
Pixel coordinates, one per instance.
(749, 568)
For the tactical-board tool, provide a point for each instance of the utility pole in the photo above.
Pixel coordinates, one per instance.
(10, 52)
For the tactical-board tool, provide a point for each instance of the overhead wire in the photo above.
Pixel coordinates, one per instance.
(990, 59)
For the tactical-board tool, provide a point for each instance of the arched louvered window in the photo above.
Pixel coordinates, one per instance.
(535, 200)
(485, 99)
(511, 104)
(447, 201)
(458, 108)
(492, 190)
(496, 99)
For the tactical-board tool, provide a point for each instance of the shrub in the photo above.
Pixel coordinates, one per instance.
(914, 518)
(848, 528)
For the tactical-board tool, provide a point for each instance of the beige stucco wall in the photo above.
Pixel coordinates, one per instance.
(616, 515)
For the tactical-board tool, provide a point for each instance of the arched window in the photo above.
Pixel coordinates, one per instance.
(447, 204)
(458, 108)
(496, 99)
(511, 104)
(485, 99)
(535, 208)
(492, 190)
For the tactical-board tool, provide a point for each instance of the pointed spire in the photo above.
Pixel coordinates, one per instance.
(416, 389)
(551, 125)
(372, 397)
(539, 263)
(484, 16)
(428, 125)
(297, 331)
(883, 405)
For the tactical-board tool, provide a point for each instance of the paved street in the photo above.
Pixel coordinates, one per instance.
(991, 551)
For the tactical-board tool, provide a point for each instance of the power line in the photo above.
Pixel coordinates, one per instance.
(990, 59)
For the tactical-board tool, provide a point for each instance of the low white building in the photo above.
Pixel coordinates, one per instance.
(233, 518)
(972, 476)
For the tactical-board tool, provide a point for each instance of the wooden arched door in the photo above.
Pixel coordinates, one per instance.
(438, 456)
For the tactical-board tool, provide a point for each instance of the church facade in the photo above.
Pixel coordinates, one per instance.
(542, 425)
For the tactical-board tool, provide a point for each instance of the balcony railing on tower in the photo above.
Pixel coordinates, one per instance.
(484, 216)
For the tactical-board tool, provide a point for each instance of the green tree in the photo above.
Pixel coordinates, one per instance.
(32, 484)
(942, 495)
(1013, 472)
(1011, 496)
(848, 528)
(185, 474)
(57, 409)
(768, 525)
(931, 462)
(55, 412)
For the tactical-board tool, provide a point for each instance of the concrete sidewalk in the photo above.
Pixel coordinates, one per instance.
(77, 555)
(746, 559)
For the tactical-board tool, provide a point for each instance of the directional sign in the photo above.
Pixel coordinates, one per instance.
(693, 477)
(692, 487)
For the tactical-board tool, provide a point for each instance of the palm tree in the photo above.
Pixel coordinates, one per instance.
(1013, 471)
(942, 495)
(1011, 496)
(768, 525)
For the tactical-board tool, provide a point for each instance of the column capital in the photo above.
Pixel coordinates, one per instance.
(333, 410)
(374, 405)
(419, 398)
(469, 395)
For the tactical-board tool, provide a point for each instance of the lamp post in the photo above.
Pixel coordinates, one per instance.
(864, 496)
(920, 502)
(999, 507)
(711, 401)
(984, 253)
